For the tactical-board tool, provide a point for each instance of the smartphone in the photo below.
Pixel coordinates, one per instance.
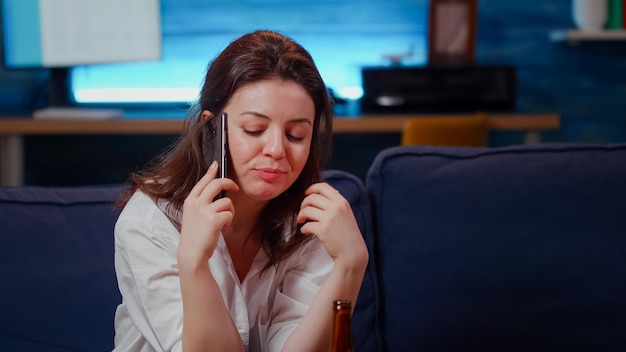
(215, 145)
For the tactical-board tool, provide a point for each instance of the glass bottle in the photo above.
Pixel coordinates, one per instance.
(342, 327)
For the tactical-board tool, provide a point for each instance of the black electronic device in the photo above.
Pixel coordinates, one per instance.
(215, 144)
(438, 89)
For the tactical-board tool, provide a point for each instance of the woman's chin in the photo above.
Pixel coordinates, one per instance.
(264, 194)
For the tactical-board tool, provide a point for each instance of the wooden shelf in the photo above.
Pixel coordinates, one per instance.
(574, 36)
(362, 124)
(12, 131)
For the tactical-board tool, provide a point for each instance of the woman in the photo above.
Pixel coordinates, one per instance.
(257, 269)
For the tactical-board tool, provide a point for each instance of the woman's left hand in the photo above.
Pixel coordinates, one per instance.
(326, 214)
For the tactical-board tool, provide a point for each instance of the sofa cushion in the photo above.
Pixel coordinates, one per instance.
(59, 291)
(514, 248)
(365, 326)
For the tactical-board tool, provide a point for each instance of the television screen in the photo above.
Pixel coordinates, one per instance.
(53, 33)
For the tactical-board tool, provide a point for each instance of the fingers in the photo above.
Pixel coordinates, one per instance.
(224, 211)
(324, 189)
(215, 187)
(309, 213)
(204, 181)
(322, 201)
(328, 216)
(208, 187)
(322, 196)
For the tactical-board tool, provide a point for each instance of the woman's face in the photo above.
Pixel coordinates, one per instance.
(270, 128)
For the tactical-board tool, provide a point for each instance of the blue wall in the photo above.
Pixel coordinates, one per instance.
(585, 83)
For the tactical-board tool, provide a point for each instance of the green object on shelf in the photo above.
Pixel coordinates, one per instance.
(616, 15)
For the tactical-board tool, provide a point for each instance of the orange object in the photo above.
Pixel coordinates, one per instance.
(446, 131)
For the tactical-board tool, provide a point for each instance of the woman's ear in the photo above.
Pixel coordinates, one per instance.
(205, 115)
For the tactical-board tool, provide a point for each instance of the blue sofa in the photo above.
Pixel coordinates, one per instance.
(501, 249)
(493, 249)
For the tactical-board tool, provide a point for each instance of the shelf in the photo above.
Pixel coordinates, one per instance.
(361, 124)
(12, 131)
(574, 36)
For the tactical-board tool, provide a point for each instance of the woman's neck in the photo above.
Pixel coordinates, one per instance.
(245, 219)
(242, 237)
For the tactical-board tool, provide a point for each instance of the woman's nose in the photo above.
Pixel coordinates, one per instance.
(275, 145)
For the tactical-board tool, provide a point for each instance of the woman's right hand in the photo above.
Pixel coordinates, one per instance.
(203, 218)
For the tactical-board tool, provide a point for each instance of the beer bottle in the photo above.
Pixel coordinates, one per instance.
(342, 327)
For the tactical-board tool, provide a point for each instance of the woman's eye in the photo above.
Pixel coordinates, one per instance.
(294, 138)
(253, 132)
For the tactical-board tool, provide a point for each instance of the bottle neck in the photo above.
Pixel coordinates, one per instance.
(342, 327)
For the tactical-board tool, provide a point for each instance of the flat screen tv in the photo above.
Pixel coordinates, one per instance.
(60, 34)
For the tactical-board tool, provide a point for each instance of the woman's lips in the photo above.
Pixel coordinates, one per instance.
(269, 175)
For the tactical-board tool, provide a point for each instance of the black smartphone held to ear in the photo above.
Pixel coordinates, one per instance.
(215, 145)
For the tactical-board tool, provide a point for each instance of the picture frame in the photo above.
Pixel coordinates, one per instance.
(452, 27)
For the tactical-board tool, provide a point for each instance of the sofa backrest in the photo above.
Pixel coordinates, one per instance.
(511, 249)
(59, 291)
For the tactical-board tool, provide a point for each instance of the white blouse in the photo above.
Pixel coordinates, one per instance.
(265, 309)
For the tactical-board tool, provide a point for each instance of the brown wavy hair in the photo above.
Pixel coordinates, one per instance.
(256, 56)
